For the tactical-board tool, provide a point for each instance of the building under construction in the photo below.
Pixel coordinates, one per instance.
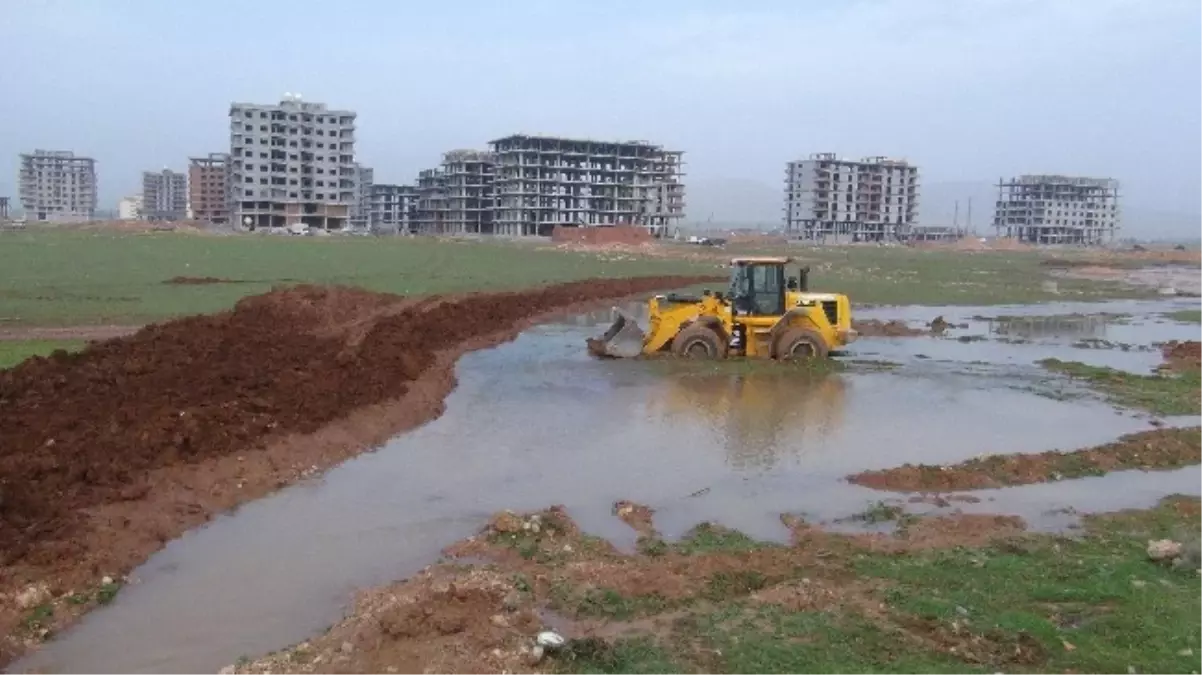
(469, 183)
(431, 214)
(393, 209)
(544, 181)
(208, 188)
(837, 200)
(57, 186)
(1046, 209)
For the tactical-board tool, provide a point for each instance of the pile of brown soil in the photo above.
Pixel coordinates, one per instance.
(1183, 356)
(1148, 450)
(107, 453)
(878, 328)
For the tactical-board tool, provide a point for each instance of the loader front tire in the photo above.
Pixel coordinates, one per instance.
(698, 341)
(799, 344)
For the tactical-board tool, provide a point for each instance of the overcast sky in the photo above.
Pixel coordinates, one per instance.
(968, 90)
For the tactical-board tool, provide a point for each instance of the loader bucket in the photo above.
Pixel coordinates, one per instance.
(624, 339)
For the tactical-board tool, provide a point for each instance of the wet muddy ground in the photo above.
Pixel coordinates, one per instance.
(537, 421)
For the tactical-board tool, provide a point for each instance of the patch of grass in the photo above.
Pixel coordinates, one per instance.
(63, 278)
(733, 584)
(711, 538)
(1161, 394)
(13, 352)
(607, 603)
(1095, 604)
(107, 592)
(880, 512)
(631, 655)
(39, 617)
(653, 547)
(1185, 316)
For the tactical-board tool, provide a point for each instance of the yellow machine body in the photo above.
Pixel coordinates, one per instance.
(762, 315)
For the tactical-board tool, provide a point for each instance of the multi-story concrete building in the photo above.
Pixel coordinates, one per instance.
(543, 181)
(164, 195)
(393, 209)
(832, 199)
(431, 216)
(3, 208)
(470, 203)
(57, 186)
(130, 208)
(208, 188)
(1046, 209)
(361, 207)
(292, 163)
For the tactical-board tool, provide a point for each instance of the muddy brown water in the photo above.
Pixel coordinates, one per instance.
(537, 422)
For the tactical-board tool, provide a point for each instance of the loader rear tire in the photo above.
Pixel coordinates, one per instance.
(699, 341)
(799, 344)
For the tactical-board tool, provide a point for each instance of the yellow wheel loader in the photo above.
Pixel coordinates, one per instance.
(763, 314)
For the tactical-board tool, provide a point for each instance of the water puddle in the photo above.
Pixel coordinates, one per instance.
(1121, 334)
(537, 422)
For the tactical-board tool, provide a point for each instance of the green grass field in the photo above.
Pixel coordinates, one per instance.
(70, 278)
(13, 352)
(1034, 603)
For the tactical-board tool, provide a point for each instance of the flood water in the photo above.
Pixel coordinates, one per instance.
(537, 422)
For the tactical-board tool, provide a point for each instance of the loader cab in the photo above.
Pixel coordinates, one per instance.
(758, 286)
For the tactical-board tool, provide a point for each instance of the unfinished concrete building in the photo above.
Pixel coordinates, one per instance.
(1047, 209)
(164, 195)
(57, 186)
(828, 199)
(431, 216)
(360, 212)
(208, 188)
(545, 181)
(3, 208)
(292, 163)
(470, 200)
(393, 209)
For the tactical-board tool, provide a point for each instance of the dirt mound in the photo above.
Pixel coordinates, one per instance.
(199, 281)
(1148, 450)
(87, 429)
(594, 236)
(1183, 356)
(878, 328)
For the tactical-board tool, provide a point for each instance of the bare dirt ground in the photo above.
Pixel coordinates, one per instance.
(1183, 356)
(107, 454)
(543, 573)
(1159, 449)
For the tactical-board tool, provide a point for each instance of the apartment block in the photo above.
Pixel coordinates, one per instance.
(393, 209)
(542, 181)
(431, 216)
(1051, 209)
(208, 188)
(164, 195)
(838, 200)
(292, 163)
(365, 177)
(470, 200)
(57, 186)
(130, 208)
(3, 208)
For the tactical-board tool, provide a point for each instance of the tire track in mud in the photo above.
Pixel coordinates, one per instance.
(107, 454)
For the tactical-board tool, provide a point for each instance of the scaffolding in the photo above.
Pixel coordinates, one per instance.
(1052, 209)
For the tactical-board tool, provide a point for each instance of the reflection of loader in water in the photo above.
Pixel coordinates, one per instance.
(762, 417)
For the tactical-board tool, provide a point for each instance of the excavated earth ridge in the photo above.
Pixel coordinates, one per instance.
(108, 453)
